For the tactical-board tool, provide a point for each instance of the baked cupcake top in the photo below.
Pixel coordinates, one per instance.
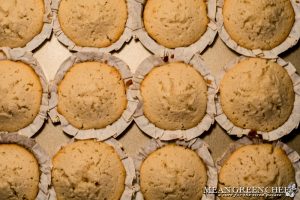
(21, 95)
(93, 23)
(174, 96)
(19, 172)
(20, 21)
(259, 165)
(89, 170)
(92, 95)
(257, 94)
(173, 172)
(260, 24)
(177, 23)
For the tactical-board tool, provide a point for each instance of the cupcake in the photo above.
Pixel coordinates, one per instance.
(20, 22)
(89, 170)
(174, 96)
(93, 23)
(256, 165)
(19, 172)
(258, 24)
(173, 172)
(91, 95)
(175, 24)
(21, 95)
(257, 94)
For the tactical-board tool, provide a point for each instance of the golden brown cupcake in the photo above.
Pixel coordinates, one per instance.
(175, 23)
(20, 21)
(21, 95)
(88, 170)
(257, 94)
(174, 96)
(259, 165)
(92, 95)
(173, 172)
(19, 172)
(93, 23)
(262, 24)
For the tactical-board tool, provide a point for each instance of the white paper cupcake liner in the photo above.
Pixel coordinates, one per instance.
(292, 155)
(46, 30)
(197, 145)
(113, 130)
(289, 42)
(205, 40)
(292, 122)
(149, 128)
(41, 156)
(26, 57)
(128, 165)
(124, 38)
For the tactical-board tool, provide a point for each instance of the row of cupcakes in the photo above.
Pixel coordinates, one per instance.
(93, 169)
(94, 95)
(249, 28)
(188, 27)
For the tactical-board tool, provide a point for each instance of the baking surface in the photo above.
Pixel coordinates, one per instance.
(51, 54)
